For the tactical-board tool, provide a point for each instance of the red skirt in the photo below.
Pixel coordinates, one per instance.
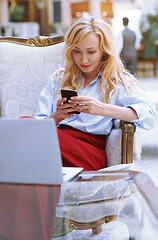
(80, 149)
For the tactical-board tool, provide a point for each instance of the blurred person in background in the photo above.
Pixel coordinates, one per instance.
(128, 52)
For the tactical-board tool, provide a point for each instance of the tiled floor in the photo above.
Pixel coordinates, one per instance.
(150, 138)
(135, 220)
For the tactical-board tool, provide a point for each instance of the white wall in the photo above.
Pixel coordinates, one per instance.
(149, 6)
(134, 16)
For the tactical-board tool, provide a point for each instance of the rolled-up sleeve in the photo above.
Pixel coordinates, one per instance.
(138, 101)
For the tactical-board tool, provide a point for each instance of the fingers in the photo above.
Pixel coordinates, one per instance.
(80, 100)
(86, 105)
(64, 108)
(61, 101)
(81, 108)
(81, 104)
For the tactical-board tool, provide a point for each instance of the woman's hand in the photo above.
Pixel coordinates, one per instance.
(87, 105)
(62, 110)
(95, 107)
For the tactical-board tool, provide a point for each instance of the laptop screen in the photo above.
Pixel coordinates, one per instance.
(29, 152)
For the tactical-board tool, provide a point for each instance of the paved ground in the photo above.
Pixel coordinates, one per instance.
(150, 138)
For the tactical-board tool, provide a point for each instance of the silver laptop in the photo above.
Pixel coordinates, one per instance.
(29, 152)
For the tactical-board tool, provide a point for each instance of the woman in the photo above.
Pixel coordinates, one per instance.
(106, 91)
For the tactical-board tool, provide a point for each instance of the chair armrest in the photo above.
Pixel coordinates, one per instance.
(119, 144)
(128, 130)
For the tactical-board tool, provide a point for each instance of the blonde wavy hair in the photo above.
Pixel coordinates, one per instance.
(111, 67)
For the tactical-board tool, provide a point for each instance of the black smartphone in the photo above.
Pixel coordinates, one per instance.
(68, 93)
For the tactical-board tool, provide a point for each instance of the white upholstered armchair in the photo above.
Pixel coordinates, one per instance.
(25, 67)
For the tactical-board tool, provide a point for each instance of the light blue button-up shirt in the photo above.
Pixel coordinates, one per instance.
(98, 124)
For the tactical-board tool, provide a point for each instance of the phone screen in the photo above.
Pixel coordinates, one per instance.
(68, 93)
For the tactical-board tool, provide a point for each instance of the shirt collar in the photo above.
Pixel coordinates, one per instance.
(98, 77)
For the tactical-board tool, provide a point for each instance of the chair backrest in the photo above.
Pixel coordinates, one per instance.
(25, 68)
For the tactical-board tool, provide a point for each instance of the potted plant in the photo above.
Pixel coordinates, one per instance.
(149, 28)
(16, 13)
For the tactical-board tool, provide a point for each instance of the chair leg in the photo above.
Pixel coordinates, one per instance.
(97, 230)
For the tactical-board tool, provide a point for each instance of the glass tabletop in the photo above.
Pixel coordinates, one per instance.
(117, 203)
(104, 205)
